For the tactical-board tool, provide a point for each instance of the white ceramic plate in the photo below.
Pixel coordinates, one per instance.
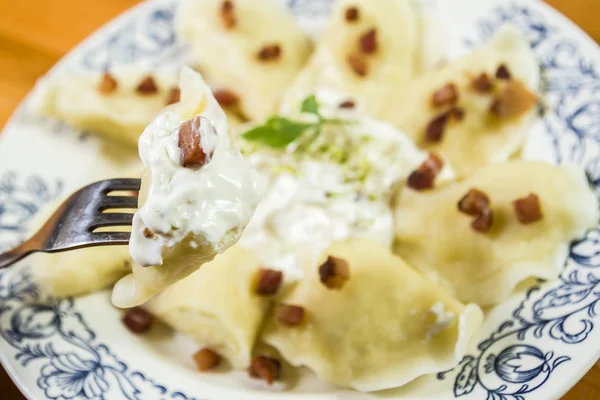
(535, 346)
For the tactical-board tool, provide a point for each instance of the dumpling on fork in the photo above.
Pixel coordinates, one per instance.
(197, 195)
(248, 50)
(117, 104)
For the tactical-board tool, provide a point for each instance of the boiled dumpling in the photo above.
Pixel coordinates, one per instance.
(369, 52)
(77, 272)
(197, 195)
(83, 271)
(386, 326)
(249, 49)
(80, 272)
(217, 306)
(476, 119)
(484, 268)
(118, 105)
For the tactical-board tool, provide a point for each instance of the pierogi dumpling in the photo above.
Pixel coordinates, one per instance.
(83, 271)
(249, 48)
(486, 121)
(118, 105)
(217, 306)
(385, 327)
(80, 272)
(433, 236)
(369, 52)
(197, 195)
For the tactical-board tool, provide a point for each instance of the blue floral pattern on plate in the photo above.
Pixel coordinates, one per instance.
(19, 201)
(52, 339)
(71, 364)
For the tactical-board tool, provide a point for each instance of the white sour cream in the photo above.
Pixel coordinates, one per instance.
(443, 319)
(341, 190)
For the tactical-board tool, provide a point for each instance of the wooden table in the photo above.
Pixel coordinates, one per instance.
(34, 34)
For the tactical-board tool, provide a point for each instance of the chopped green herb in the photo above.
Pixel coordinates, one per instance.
(310, 105)
(280, 169)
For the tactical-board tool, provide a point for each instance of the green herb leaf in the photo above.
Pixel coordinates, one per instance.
(310, 105)
(277, 132)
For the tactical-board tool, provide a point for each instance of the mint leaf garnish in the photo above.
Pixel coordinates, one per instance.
(277, 132)
(310, 105)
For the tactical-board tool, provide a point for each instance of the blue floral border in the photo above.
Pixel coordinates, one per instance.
(20, 201)
(72, 364)
(507, 366)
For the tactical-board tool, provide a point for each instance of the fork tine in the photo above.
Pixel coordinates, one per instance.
(124, 184)
(71, 226)
(110, 238)
(111, 219)
(118, 202)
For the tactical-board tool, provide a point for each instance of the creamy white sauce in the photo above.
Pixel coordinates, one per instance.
(443, 319)
(312, 201)
(208, 202)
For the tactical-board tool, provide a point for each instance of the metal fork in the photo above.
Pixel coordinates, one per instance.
(72, 225)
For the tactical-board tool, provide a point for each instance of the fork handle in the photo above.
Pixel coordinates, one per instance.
(16, 254)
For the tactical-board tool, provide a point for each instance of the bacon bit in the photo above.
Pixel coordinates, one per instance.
(528, 209)
(148, 234)
(358, 65)
(482, 84)
(269, 281)
(108, 84)
(334, 273)
(483, 222)
(147, 86)
(269, 52)
(368, 42)
(420, 181)
(433, 164)
(265, 368)
(192, 154)
(447, 94)
(514, 100)
(174, 96)
(477, 204)
(435, 129)
(228, 15)
(352, 14)
(423, 177)
(138, 320)
(457, 113)
(226, 98)
(206, 359)
(290, 315)
(503, 72)
(347, 104)
(474, 202)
